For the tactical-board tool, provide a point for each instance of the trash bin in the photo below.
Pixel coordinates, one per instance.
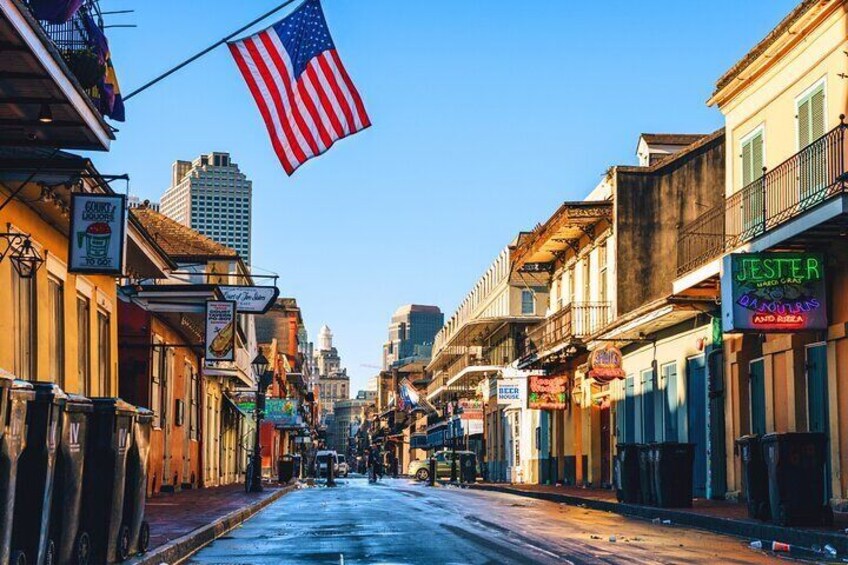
(33, 494)
(14, 397)
(72, 543)
(672, 463)
(796, 477)
(285, 469)
(627, 485)
(754, 476)
(135, 491)
(109, 438)
(647, 487)
(468, 467)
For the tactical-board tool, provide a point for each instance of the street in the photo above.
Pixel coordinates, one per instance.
(400, 521)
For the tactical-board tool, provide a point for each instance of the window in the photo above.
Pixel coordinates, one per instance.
(24, 326)
(668, 373)
(156, 382)
(84, 345)
(104, 353)
(586, 280)
(810, 108)
(602, 272)
(571, 286)
(56, 347)
(528, 302)
(811, 123)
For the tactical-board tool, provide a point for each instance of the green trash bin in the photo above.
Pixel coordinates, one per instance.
(34, 493)
(110, 435)
(136, 483)
(755, 476)
(15, 395)
(73, 544)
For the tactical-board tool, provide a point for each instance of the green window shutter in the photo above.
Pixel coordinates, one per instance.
(747, 177)
(757, 162)
(817, 114)
(804, 123)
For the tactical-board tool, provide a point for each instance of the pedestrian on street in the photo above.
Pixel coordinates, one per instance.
(393, 465)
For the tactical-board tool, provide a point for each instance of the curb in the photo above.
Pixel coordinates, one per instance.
(182, 547)
(804, 538)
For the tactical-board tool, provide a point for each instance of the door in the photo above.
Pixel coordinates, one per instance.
(648, 407)
(630, 409)
(544, 447)
(696, 415)
(757, 392)
(606, 444)
(817, 399)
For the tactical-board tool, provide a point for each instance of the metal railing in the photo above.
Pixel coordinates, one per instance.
(572, 322)
(805, 180)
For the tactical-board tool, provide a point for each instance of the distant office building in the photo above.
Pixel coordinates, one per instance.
(411, 333)
(345, 423)
(212, 196)
(333, 382)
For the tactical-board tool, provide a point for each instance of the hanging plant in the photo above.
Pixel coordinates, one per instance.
(86, 66)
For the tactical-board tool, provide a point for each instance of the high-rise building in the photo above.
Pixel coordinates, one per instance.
(333, 382)
(411, 333)
(212, 196)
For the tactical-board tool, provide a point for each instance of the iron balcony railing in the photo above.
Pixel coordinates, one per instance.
(805, 180)
(575, 321)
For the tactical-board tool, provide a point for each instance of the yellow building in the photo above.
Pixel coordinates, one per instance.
(785, 190)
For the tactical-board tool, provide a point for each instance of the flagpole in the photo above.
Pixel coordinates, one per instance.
(207, 50)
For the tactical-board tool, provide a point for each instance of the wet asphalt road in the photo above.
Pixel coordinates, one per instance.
(403, 522)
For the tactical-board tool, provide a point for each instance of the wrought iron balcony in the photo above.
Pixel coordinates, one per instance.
(571, 323)
(805, 180)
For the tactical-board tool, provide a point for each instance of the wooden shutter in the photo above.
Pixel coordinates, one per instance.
(752, 159)
(804, 133)
(817, 114)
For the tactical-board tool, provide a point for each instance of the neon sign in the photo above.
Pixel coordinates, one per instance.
(774, 292)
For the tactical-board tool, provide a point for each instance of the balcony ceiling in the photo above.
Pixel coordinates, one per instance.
(563, 231)
(32, 73)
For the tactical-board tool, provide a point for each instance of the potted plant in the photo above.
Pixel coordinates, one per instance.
(86, 66)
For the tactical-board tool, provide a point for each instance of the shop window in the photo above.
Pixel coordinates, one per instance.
(104, 353)
(24, 325)
(56, 347)
(84, 345)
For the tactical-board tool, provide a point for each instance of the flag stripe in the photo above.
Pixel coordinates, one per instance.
(326, 91)
(360, 107)
(279, 57)
(331, 80)
(356, 124)
(274, 93)
(235, 49)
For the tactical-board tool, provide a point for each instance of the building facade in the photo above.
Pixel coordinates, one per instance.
(212, 196)
(412, 330)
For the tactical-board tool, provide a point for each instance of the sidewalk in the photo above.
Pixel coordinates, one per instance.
(183, 522)
(718, 516)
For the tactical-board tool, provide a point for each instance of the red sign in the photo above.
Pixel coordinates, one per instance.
(605, 364)
(547, 393)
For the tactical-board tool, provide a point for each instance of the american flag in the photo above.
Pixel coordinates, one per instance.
(301, 87)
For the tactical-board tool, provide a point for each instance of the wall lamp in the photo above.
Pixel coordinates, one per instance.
(25, 259)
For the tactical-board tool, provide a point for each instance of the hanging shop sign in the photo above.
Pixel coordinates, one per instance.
(251, 299)
(96, 241)
(509, 393)
(774, 292)
(546, 393)
(220, 330)
(282, 412)
(605, 364)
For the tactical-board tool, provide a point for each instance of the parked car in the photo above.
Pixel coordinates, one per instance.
(420, 468)
(323, 455)
(342, 470)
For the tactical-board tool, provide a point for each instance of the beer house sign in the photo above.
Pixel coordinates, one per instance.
(774, 292)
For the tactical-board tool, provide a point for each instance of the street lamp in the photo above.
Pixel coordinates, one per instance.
(260, 366)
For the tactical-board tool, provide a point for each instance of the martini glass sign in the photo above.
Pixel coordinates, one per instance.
(779, 291)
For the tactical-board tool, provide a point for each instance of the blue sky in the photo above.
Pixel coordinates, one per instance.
(487, 115)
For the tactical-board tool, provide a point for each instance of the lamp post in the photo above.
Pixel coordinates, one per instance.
(454, 404)
(260, 366)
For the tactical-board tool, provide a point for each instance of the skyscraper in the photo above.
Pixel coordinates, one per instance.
(333, 381)
(212, 196)
(411, 333)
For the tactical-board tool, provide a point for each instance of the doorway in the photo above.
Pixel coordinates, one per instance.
(757, 391)
(606, 443)
(817, 400)
(696, 415)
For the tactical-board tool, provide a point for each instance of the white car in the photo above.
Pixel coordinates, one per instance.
(342, 469)
(322, 455)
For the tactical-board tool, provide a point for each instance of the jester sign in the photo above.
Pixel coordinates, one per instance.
(774, 292)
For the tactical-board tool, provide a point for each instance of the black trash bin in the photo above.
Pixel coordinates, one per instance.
(647, 486)
(135, 491)
(14, 397)
(796, 478)
(285, 469)
(33, 494)
(754, 476)
(672, 463)
(627, 485)
(109, 437)
(72, 543)
(468, 467)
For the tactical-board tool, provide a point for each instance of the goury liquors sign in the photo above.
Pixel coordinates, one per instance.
(98, 227)
(773, 292)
